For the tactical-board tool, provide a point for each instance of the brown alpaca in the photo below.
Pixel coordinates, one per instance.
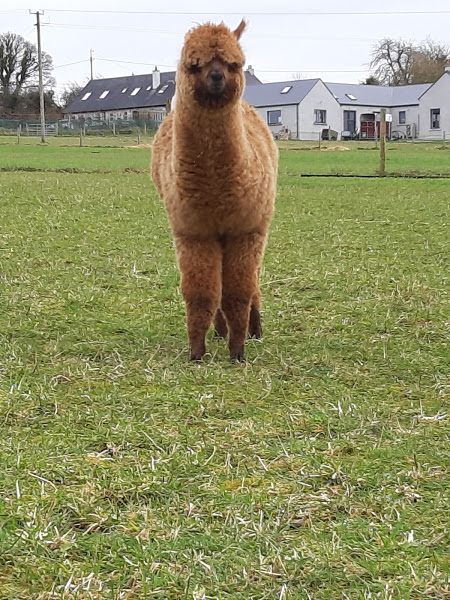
(215, 167)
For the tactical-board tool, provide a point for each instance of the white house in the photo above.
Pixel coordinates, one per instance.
(308, 107)
(434, 109)
(305, 107)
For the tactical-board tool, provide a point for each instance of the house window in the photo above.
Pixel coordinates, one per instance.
(286, 89)
(435, 118)
(274, 117)
(135, 91)
(320, 116)
(86, 96)
(402, 117)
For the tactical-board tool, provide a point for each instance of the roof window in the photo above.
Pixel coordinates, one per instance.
(163, 89)
(104, 94)
(351, 97)
(86, 96)
(286, 89)
(135, 91)
(149, 87)
(124, 90)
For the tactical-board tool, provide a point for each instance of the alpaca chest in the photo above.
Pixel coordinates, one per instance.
(239, 201)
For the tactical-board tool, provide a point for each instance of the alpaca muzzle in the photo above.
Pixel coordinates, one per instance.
(215, 81)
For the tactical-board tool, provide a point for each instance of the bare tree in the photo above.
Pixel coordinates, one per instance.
(70, 92)
(19, 67)
(371, 80)
(399, 62)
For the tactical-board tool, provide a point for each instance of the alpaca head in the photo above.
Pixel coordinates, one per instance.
(210, 72)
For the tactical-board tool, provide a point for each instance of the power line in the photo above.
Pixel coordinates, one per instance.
(130, 62)
(72, 63)
(157, 32)
(289, 13)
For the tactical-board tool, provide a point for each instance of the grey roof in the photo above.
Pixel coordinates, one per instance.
(377, 95)
(116, 99)
(269, 94)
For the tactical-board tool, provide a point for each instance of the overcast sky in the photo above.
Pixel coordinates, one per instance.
(281, 41)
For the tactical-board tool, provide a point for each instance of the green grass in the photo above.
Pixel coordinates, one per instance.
(122, 153)
(317, 470)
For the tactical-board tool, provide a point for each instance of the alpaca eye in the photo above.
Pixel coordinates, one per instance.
(194, 68)
(233, 67)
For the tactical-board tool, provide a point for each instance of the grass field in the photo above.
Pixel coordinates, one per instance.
(319, 470)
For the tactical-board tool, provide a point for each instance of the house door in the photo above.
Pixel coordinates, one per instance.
(350, 121)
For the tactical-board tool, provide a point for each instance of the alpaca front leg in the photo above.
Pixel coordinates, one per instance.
(240, 292)
(200, 263)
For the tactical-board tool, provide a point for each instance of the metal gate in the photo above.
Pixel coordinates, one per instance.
(35, 129)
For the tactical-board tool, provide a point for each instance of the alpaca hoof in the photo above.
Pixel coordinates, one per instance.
(255, 335)
(197, 355)
(238, 358)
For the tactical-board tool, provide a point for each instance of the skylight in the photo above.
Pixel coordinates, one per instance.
(286, 89)
(163, 89)
(135, 91)
(104, 94)
(86, 96)
(149, 87)
(124, 90)
(351, 97)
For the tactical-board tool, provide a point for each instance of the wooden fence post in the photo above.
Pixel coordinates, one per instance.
(19, 129)
(383, 142)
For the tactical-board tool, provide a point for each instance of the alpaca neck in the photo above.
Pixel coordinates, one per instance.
(216, 132)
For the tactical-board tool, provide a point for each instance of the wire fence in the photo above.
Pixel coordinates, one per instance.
(32, 128)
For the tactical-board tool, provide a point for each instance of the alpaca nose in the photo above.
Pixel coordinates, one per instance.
(216, 75)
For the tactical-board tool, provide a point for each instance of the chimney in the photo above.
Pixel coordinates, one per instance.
(447, 67)
(251, 70)
(156, 78)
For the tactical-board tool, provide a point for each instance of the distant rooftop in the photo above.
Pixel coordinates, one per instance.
(274, 94)
(377, 95)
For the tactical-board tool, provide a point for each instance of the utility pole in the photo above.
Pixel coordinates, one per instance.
(383, 142)
(38, 13)
(92, 64)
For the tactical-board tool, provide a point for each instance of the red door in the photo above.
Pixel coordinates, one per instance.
(367, 130)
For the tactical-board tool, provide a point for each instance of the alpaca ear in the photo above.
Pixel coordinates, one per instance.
(240, 29)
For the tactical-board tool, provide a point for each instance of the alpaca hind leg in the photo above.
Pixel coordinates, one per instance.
(241, 259)
(254, 325)
(200, 263)
(220, 325)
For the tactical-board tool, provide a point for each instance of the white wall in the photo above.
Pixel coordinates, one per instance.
(411, 123)
(288, 118)
(319, 98)
(437, 96)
